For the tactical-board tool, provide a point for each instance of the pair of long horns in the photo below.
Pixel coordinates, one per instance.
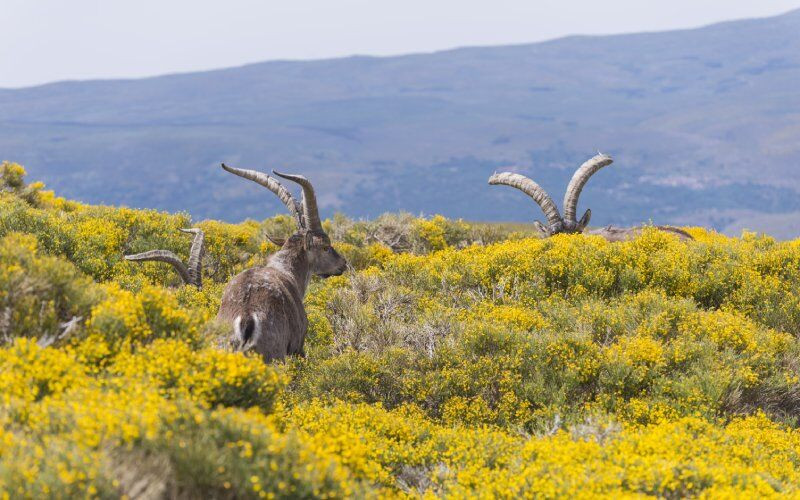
(192, 272)
(555, 222)
(306, 213)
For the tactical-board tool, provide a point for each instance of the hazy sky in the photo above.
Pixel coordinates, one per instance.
(47, 40)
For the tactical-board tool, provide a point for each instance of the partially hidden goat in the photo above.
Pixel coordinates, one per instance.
(192, 272)
(569, 223)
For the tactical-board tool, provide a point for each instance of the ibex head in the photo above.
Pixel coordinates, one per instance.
(555, 222)
(323, 259)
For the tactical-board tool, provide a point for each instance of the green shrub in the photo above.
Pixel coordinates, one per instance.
(40, 296)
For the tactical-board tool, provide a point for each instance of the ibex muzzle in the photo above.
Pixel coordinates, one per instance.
(264, 305)
(569, 223)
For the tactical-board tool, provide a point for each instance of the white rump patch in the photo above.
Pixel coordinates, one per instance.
(256, 331)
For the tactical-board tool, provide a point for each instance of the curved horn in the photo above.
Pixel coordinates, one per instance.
(278, 242)
(579, 179)
(533, 190)
(273, 185)
(682, 234)
(310, 210)
(163, 256)
(195, 262)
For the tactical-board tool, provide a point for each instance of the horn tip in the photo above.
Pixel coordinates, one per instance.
(291, 177)
(280, 174)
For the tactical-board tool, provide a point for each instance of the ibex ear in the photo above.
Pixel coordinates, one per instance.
(279, 242)
(540, 227)
(585, 219)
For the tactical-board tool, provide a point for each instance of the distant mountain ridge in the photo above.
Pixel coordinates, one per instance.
(704, 125)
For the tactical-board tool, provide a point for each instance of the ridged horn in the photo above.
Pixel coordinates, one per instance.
(274, 186)
(579, 180)
(163, 256)
(198, 250)
(533, 190)
(310, 210)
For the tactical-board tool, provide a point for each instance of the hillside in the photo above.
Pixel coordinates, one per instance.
(703, 125)
(464, 361)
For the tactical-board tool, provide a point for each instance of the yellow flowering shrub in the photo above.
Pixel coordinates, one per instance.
(209, 376)
(432, 232)
(98, 243)
(54, 467)
(513, 316)
(12, 178)
(230, 248)
(125, 318)
(29, 372)
(120, 433)
(362, 257)
(12, 175)
(686, 457)
(453, 360)
(38, 293)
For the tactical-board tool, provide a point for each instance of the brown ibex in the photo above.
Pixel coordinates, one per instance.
(569, 223)
(192, 272)
(264, 304)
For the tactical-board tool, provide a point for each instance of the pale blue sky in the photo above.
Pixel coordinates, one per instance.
(47, 40)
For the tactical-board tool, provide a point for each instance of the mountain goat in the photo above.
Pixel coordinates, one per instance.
(264, 304)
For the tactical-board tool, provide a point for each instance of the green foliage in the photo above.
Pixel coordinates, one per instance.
(39, 293)
(453, 360)
(405, 233)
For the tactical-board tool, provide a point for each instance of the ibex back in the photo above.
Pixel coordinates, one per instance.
(264, 305)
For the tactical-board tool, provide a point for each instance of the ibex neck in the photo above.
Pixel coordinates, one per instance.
(294, 263)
